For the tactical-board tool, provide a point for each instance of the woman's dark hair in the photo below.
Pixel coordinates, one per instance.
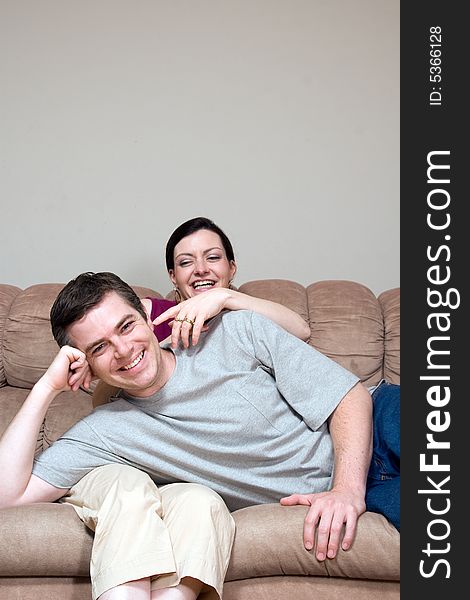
(84, 293)
(192, 226)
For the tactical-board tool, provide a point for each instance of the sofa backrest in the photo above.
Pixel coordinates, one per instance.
(7, 295)
(348, 323)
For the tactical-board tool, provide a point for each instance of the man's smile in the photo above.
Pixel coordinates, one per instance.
(134, 363)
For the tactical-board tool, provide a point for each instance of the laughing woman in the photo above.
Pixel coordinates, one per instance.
(201, 265)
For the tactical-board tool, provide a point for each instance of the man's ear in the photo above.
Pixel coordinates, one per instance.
(147, 304)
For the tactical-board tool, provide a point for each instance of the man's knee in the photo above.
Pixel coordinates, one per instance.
(126, 477)
(194, 498)
(110, 482)
(195, 492)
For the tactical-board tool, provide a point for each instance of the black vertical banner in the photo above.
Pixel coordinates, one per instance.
(435, 348)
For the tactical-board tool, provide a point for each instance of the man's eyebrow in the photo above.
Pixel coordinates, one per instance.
(190, 254)
(116, 328)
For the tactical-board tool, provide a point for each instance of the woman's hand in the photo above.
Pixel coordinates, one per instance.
(188, 317)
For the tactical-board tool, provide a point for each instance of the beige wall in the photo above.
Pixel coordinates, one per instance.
(279, 119)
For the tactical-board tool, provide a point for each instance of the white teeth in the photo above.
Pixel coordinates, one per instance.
(198, 284)
(134, 362)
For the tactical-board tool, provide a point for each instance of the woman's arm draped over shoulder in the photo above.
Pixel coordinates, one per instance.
(208, 304)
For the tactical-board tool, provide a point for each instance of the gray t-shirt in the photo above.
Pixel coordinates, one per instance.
(244, 413)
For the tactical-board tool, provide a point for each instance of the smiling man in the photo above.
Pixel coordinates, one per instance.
(100, 323)
(251, 412)
(122, 347)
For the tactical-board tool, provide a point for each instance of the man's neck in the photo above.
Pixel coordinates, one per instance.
(168, 365)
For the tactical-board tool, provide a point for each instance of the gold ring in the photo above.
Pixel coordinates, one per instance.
(188, 320)
(178, 320)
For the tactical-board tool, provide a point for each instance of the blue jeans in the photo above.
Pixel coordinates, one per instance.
(383, 481)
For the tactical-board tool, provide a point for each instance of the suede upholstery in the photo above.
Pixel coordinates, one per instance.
(45, 549)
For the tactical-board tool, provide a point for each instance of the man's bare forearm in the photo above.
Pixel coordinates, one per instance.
(18, 444)
(351, 431)
(67, 371)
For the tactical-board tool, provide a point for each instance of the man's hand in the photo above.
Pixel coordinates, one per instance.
(68, 371)
(327, 514)
(351, 432)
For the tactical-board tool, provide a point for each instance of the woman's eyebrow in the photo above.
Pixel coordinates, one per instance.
(204, 252)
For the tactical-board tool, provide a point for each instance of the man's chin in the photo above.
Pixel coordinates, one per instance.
(139, 389)
(122, 383)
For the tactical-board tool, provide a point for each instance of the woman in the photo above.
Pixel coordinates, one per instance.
(201, 265)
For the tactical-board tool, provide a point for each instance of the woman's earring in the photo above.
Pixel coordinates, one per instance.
(177, 295)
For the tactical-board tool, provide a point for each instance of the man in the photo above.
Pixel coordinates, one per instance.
(251, 411)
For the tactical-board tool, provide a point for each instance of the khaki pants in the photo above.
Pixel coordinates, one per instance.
(167, 533)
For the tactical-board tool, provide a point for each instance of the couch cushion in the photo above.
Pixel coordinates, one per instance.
(7, 295)
(29, 347)
(48, 588)
(347, 325)
(286, 292)
(268, 541)
(11, 400)
(390, 304)
(49, 539)
(294, 587)
(65, 410)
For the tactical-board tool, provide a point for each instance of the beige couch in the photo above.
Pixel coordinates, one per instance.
(45, 549)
